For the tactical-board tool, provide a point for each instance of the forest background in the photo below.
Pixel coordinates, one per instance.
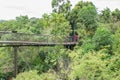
(95, 57)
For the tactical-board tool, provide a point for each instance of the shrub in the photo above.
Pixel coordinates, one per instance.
(33, 75)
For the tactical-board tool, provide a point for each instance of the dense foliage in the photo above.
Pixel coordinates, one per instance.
(95, 57)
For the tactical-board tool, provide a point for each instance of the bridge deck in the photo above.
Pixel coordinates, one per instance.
(27, 43)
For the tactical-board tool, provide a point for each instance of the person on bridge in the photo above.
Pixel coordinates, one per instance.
(76, 37)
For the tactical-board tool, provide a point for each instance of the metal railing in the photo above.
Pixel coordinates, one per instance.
(15, 36)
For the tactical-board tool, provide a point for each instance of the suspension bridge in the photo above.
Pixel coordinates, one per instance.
(12, 38)
(15, 40)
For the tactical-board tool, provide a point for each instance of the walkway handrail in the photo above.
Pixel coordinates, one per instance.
(17, 36)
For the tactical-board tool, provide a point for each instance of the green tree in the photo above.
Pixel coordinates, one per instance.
(22, 24)
(36, 25)
(90, 66)
(8, 25)
(56, 24)
(61, 6)
(116, 44)
(84, 14)
(88, 45)
(105, 16)
(102, 39)
(116, 15)
(88, 17)
(113, 67)
(6, 63)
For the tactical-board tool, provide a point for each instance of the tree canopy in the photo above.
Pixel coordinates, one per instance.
(96, 55)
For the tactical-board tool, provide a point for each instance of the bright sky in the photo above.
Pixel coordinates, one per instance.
(9, 9)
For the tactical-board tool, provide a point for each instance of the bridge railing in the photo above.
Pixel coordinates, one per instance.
(14, 36)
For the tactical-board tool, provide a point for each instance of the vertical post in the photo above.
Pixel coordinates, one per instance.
(47, 39)
(15, 58)
(15, 61)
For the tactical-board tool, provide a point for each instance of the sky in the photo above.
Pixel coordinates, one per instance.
(9, 9)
